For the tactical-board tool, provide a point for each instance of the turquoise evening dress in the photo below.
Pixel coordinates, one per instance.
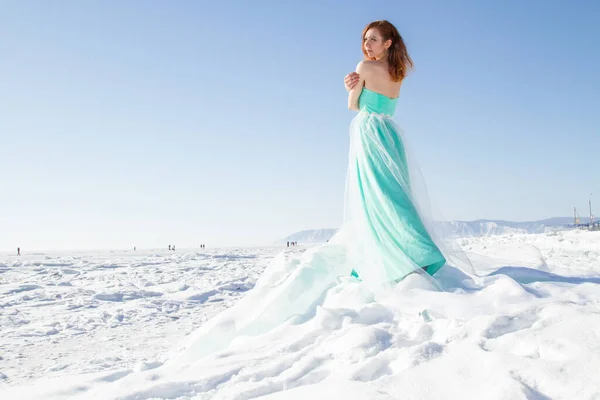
(383, 238)
(389, 238)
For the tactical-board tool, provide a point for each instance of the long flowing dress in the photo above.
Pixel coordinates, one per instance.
(383, 223)
(383, 238)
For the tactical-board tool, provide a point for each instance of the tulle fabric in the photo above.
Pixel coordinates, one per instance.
(292, 286)
(383, 227)
(388, 232)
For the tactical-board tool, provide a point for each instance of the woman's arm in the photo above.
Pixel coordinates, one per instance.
(350, 81)
(354, 93)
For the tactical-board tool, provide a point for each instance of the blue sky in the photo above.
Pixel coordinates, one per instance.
(149, 123)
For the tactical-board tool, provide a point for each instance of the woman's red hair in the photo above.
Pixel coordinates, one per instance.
(398, 59)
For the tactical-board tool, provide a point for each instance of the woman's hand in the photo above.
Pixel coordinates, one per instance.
(351, 80)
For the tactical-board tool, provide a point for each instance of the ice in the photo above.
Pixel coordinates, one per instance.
(106, 325)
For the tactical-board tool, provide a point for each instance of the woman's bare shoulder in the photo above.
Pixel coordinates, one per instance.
(372, 68)
(367, 65)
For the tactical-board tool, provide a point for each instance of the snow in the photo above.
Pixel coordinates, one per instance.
(105, 325)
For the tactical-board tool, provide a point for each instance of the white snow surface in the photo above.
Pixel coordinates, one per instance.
(101, 325)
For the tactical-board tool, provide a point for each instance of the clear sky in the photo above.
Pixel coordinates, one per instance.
(151, 123)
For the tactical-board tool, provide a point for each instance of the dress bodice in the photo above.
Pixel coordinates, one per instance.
(373, 102)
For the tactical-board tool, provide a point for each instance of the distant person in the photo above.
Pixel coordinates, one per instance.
(288, 244)
(173, 247)
(133, 248)
(18, 251)
(169, 247)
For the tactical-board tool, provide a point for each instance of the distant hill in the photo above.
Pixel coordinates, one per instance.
(480, 227)
(311, 236)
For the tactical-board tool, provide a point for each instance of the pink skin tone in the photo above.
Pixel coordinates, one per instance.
(375, 47)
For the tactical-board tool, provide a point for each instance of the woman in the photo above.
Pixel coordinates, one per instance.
(383, 237)
(382, 214)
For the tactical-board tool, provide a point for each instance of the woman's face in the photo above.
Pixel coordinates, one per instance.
(374, 44)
